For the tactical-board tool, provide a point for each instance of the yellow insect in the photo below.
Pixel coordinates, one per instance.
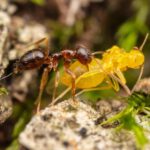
(114, 61)
(108, 69)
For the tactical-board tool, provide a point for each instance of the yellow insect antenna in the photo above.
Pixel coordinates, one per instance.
(142, 67)
(145, 40)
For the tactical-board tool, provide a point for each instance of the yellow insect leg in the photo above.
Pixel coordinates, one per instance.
(94, 89)
(122, 84)
(113, 83)
(56, 82)
(120, 76)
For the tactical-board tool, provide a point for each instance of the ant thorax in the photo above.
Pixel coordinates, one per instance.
(68, 54)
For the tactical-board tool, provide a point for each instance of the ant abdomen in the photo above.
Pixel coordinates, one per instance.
(31, 60)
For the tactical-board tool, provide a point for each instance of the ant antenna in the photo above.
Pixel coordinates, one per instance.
(6, 76)
(142, 67)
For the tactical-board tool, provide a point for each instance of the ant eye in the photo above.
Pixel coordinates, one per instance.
(83, 55)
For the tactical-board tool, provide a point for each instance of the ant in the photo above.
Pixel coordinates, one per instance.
(40, 55)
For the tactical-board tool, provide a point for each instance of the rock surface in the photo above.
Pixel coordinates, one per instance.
(5, 107)
(68, 127)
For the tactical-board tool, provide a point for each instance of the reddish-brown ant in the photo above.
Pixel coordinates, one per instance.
(38, 56)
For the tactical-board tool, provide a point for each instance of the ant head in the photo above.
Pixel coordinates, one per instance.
(83, 55)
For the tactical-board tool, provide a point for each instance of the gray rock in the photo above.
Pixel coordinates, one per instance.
(68, 127)
(5, 107)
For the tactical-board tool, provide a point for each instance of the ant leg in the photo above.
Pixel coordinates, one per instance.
(56, 82)
(73, 83)
(87, 67)
(45, 42)
(120, 76)
(73, 79)
(60, 96)
(38, 43)
(42, 86)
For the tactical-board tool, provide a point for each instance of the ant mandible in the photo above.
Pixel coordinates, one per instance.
(39, 56)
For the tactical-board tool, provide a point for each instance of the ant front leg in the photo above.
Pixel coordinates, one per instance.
(66, 67)
(42, 86)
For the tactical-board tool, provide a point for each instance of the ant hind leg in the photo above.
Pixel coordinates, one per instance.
(44, 42)
(42, 86)
(73, 82)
